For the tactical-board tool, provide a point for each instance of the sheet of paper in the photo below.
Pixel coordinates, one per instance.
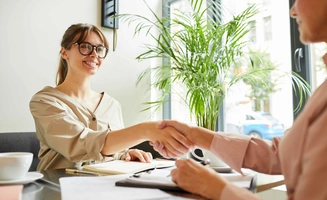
(103, 188)
(157, 176)
(123, 167)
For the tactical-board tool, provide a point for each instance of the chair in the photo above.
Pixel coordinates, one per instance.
(21, 142)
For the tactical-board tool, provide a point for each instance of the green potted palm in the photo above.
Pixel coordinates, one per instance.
(201, 54)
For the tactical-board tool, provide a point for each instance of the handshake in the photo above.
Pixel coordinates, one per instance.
(173, 139)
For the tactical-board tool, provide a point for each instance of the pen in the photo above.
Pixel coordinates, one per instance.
(76, 171)
(139, 174)
(205, 162)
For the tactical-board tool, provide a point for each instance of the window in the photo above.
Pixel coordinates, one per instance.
(267, 28)
(271, 45)
(266, 3)
(179, 110)
(253, 32)
(318, 69)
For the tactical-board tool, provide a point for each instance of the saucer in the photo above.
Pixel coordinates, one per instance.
(222, 169)
(30, 177)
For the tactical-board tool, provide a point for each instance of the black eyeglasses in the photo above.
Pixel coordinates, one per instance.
(86, 49)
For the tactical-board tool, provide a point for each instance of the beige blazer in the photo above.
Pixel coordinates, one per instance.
(69, 133)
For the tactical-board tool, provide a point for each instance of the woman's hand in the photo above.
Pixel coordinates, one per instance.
(137, 155)
(180, 127)
(183, 129)
(198, 179)
(174, 143)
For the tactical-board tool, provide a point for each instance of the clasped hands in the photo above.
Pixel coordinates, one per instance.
(169, 138)
(179, 143)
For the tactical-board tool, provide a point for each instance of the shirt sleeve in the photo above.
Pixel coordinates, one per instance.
(239, 151)
(64, 130)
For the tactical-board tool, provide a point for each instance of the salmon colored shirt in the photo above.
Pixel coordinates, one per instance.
(69, 133)
(300, 155)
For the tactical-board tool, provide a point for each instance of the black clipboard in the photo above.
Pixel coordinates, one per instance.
(127, 183)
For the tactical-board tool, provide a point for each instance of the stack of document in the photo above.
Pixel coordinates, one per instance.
(123, 167)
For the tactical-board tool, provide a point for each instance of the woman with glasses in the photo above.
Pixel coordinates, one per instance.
(300, 155)
(77, 125)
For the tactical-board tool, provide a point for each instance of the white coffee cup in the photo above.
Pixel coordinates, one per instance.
(214, 160)
(15, 165)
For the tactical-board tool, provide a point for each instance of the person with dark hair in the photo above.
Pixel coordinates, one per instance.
(300, 155)
(77, 125)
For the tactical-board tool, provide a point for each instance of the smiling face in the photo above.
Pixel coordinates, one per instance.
(311, 16)
(80, 65)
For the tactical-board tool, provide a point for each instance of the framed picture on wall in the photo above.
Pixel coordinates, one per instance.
(109, 8)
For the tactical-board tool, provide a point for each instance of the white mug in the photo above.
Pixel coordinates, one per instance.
(14, 165)
(214, 160)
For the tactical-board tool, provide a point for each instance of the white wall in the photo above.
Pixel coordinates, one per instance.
(30, 35)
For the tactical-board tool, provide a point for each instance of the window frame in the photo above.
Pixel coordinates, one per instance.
(305, 61)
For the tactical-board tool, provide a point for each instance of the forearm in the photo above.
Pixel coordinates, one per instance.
(125, 138)
(202, 137)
